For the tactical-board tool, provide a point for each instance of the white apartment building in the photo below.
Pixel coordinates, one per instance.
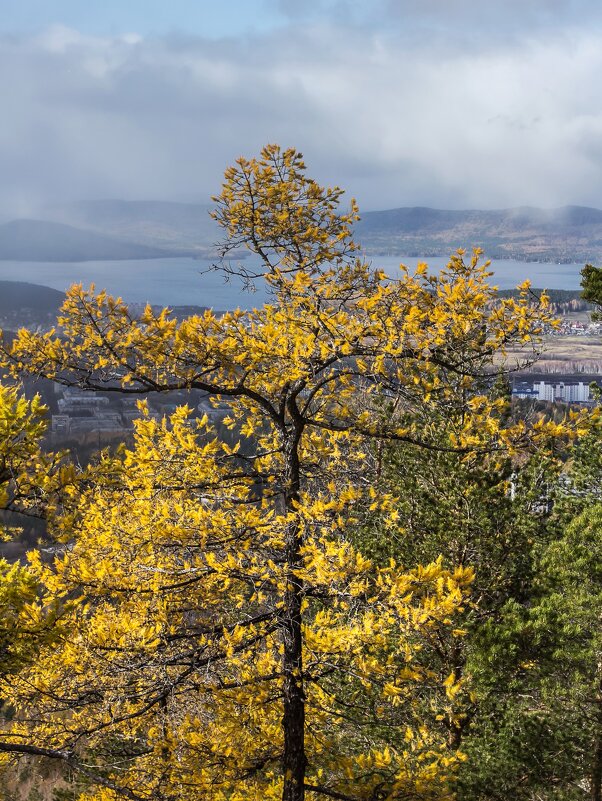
(567, 392)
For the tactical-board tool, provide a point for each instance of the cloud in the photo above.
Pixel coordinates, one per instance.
(396, 121)
(451, 20)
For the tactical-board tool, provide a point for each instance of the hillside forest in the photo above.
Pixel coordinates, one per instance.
(379, 580)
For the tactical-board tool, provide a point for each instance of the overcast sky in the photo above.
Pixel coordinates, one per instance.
(446, 103)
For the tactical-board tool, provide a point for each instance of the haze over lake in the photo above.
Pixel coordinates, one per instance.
(185, 281)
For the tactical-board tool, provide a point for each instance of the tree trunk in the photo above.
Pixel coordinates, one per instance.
(294, 761)
(293, 721)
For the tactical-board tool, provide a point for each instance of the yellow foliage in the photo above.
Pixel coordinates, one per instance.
(213, 590)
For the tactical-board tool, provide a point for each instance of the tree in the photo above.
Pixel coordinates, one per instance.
(490, 512)
(561, 625)
(565, 621)
(591, 283)
(176, 645)
(228, 641)
(532, 663)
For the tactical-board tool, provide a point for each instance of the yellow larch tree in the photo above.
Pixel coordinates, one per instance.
(225, 640)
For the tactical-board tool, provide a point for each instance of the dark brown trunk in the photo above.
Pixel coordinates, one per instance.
(293, 721)
(294, 761)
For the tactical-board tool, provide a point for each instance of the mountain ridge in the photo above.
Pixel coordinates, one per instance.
(524, 233)
(16, 295)
(529, 233)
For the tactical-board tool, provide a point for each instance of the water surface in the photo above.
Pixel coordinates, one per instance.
(185, 281)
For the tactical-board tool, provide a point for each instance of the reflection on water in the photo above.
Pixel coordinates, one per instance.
(184, 281)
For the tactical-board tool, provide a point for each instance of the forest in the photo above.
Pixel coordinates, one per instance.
(385, 584)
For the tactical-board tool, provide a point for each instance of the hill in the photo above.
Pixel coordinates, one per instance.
(567, 234)
(40, 240)
(16, 295)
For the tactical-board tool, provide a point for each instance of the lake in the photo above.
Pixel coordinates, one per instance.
(185, 281)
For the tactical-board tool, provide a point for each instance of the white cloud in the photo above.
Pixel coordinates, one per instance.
(394, 120)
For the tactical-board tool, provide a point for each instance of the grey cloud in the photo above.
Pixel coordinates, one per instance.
(478, 23)
(161, 118)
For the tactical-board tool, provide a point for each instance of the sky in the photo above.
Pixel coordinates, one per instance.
(443, 103)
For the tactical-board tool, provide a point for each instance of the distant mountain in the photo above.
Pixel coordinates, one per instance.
(570, 233)
(15, 295)
(23, 303)
(178, 227)
(39, 240)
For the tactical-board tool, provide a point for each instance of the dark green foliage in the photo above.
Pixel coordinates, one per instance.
(566, 620)
(591, 283)
(490, 514)
(528, 723)
(535, 665)
(532, 727)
